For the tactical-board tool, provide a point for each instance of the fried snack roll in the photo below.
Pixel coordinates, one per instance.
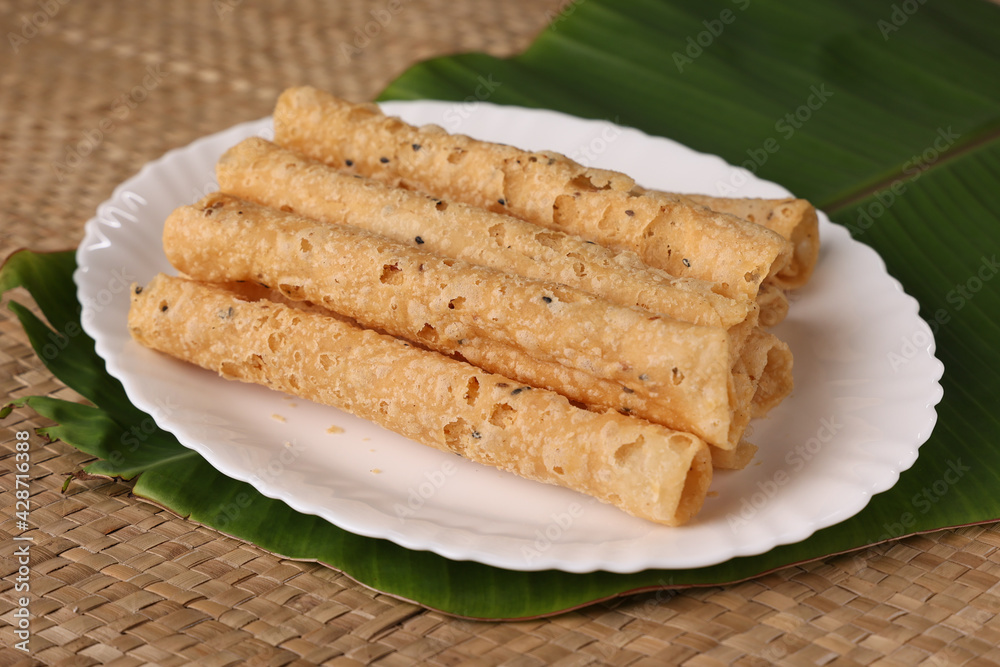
(681, 238)
(722, 459)
(360, 137)
(647, 470)
(262, 172)
(794, 219)
(682, 369)
(547, 189)
(597, 394)
(757, 386)
(762, 378)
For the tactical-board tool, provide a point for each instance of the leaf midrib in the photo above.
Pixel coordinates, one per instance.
(978, 142)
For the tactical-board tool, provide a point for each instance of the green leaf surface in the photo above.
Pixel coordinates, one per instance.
(123, 451)
(894, 84)
(44, 275)
(62, 345)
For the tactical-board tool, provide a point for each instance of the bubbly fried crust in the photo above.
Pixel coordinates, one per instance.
(645, 469)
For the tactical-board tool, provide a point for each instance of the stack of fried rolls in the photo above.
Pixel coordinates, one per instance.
(516, 308)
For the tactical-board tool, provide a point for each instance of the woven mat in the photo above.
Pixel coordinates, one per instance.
(117, 581)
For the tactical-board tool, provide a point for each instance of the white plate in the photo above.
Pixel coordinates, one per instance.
(866, 387)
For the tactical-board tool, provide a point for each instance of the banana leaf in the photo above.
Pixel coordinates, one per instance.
(885, 114)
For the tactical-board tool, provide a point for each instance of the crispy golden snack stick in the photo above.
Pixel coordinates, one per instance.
(547, 189)
(681, 238)
(681, 368)
(794, 219)
(760, 381)
(722, 459)
(645, 469)
(362, 138)
(260, 171)
(597, 394)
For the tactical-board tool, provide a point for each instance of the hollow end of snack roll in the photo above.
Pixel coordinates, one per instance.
(776, 380)
(651, 461)
(761, 379)
(805, 243)
(695, 489)
(773, 304)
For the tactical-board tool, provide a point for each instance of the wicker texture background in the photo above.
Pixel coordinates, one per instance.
(117, 581)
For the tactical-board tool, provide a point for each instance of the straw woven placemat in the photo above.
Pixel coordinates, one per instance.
(117, 581)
